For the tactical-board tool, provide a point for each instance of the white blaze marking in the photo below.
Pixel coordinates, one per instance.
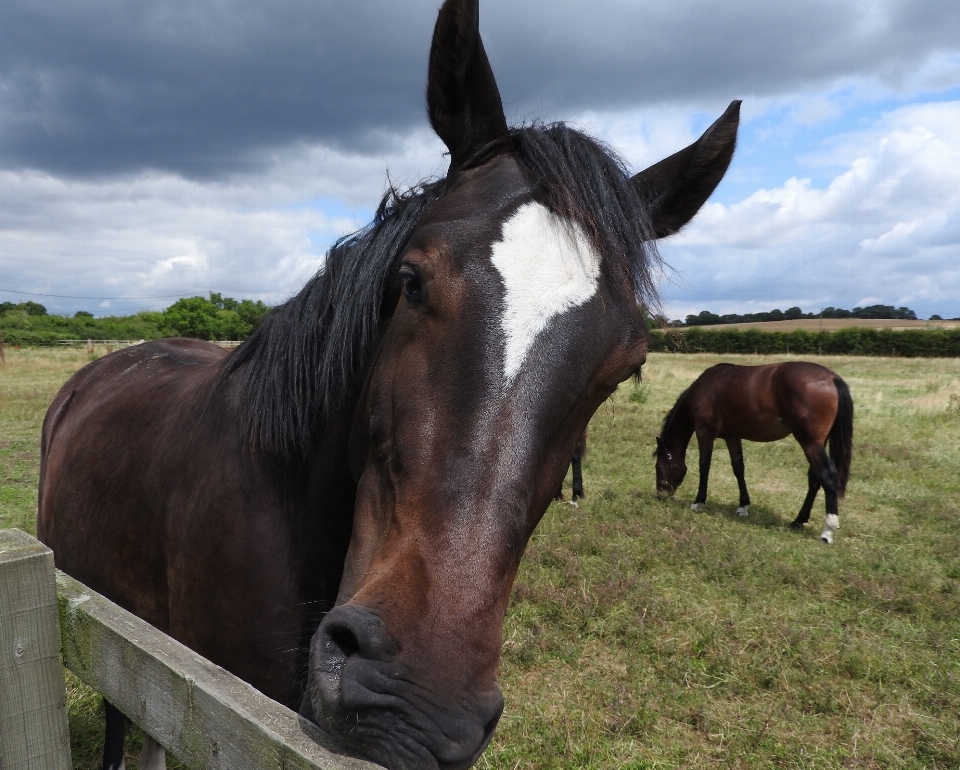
(548, 266)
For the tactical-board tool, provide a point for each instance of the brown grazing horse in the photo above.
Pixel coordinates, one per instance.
(763, 403)
(336, 510)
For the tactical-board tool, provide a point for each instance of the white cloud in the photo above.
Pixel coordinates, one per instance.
(887, 226)
(157, 234)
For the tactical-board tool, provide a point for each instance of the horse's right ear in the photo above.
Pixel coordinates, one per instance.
(463, 101)
(676, 187)
(659, 446)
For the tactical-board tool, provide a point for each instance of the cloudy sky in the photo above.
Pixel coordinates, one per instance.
(154, 150)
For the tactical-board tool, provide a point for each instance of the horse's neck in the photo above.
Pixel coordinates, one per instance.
(677, 433)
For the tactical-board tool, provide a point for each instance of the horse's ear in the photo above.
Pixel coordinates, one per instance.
(678, 186)
(659, 443)
(462, 97)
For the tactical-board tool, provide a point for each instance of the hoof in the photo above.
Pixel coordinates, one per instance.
(573, 503)
(831, 525)
(797, 524)
(743, 510)
(697, 507)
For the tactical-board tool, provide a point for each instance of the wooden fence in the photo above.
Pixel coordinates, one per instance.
(203, 715)
(116, 344)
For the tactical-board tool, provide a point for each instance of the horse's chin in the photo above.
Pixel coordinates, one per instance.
(399, 730)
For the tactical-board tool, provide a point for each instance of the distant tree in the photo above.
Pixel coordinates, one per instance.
(216, 318)
(252, 312)
(935, 317)
(906, 314)
(221, 302)
(32, 308)
(193, 317)
(83, 314)
(706, 318)
(6, 307)
(703, 318)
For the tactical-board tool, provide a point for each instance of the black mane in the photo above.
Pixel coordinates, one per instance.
(308, 359)
(672, 413)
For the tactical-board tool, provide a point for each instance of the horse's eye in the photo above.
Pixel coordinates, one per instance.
(412, 286)
(669, 457)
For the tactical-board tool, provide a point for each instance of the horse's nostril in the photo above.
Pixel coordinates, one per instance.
(349, 631)
(344, 639)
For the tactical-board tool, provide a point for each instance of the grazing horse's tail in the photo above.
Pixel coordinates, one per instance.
(841, 436)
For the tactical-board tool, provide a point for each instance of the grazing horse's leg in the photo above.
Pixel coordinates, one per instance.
(705, 442)
(832, 522)
(578, 471)
(153, 756)
(813, 486)
(735, 447)
(824, 471)
(113, 740)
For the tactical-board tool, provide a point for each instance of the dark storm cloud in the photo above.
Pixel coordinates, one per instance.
(203, 88)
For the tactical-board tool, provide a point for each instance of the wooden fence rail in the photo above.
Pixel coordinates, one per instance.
(203, 715)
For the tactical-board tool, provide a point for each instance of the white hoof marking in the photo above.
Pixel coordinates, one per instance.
(697, 507)
(831, 525)
(743, 510)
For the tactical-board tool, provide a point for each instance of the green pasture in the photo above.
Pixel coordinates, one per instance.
(643, 635)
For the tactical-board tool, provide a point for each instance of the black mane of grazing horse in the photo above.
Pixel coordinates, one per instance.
(671, 414)
(309, 356)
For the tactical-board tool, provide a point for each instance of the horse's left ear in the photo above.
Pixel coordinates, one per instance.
(462, 97)
(678, 186)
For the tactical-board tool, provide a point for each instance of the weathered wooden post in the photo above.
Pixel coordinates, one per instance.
(34, 734)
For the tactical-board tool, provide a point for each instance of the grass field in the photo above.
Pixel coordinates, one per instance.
(643, 635)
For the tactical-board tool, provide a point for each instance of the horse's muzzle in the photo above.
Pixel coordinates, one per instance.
(665, 492)
(367, 701)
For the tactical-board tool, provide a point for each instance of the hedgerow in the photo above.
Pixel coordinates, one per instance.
(911, 343)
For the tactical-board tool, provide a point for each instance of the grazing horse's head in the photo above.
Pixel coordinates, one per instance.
(671, 469)
(511, 313)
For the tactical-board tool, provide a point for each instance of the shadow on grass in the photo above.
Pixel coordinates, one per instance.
(759, 516)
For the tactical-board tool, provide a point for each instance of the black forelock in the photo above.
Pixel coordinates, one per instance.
(308, 360)
(580, 178)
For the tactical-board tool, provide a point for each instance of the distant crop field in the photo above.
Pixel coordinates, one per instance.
(644, 635)
(833, 324)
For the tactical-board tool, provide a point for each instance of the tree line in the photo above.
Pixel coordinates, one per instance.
(707, 318)
(209, 318)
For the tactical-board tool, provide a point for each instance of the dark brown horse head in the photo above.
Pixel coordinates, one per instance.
(671, 468)
(511, 313)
